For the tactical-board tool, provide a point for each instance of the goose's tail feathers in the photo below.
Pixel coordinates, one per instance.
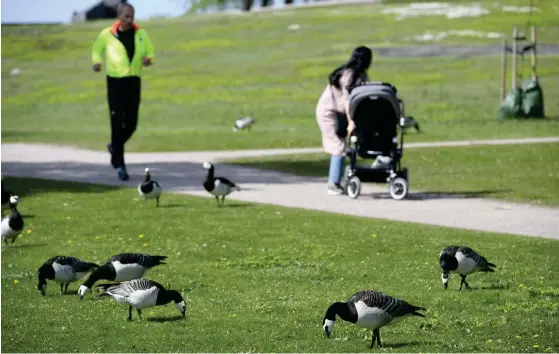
(157, 260)
(417, 308)
(488, 268)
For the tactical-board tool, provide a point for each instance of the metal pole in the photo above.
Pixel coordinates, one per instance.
(514, 51)
(503, 69)
(534, 73)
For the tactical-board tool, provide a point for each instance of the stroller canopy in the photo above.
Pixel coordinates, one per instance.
(374, 91)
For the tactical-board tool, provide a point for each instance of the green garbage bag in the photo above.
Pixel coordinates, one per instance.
(532, 102)
(511, 107)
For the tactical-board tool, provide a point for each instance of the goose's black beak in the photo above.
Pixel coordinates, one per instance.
(81, 297)
(445, 285)
(327, 332)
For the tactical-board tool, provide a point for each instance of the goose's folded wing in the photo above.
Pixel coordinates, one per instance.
(470, 253)
(226, 181)
(127, 258)
(370, 298)
(394, 307)
(66, 260)
(450, 249)
(141, 284)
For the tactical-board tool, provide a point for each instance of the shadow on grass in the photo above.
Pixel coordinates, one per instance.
(172, 205)
(493, 287)
(24, 187)
(405, 344)
(28, 245)
(161, 319)
(235, 205)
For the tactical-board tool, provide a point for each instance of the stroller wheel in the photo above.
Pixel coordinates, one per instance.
(345, 177)
(353, 187)
(398, 188)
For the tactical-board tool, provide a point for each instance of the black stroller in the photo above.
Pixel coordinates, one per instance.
(378, 114)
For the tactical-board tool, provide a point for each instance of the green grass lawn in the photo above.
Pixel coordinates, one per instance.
(512, 172)
(214, 69)
(259, 278)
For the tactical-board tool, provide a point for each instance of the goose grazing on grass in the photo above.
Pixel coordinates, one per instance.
(462, 260)
(149, 189)
(369, 309)
(12, 225)
(121, 267)
(63, 270)
(218, 186)
(141, 294)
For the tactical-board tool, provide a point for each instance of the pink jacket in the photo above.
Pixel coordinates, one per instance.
(333, 100)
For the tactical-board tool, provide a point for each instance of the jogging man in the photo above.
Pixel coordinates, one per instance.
(127, 48)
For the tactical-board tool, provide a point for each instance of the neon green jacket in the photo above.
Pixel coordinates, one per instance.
(117, 62)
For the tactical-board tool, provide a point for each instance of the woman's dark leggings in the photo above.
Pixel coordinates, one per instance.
(124, 103)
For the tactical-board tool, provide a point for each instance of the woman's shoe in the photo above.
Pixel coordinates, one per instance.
(335, 189)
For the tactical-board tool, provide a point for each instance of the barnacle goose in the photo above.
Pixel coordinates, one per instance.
(149, 189)
(141, 294)
(462, 260)
(12, 225)
(218, 186)
(63, 270)
(121, 267)
(369, 309)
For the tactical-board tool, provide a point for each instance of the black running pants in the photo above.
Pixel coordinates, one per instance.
(124, 103)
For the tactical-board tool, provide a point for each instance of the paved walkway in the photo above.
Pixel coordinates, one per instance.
(181, 172)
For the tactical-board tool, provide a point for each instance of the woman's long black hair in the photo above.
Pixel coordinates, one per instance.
(359, 61)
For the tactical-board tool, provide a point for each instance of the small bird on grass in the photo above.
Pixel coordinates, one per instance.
(462, 260)
(141, 294)
(12, 225)
(409, 122)
(243, 123)
(149, 189)
(218, 186)
(369, 309)
(63, 270)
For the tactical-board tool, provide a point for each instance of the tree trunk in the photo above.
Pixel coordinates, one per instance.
(288, 2)
(265, 3)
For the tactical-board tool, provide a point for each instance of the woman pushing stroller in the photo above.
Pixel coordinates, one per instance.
(332, 112)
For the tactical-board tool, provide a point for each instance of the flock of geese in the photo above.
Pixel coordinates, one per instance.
(125, 271)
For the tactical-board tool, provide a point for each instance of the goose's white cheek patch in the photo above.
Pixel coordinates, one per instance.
(329, 325)
(83, 290)
(181, 306)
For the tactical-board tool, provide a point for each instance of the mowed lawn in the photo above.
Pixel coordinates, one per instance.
(521, 173)
(259, 278)
(215, 69)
